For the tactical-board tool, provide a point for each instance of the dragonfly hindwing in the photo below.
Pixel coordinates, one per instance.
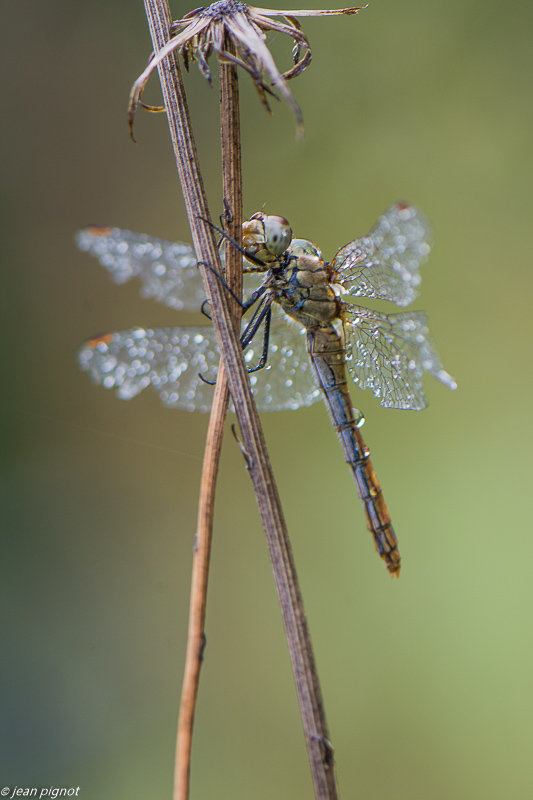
(390, 353)
(172, 359)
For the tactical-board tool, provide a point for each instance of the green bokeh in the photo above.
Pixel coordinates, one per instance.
(427, 680)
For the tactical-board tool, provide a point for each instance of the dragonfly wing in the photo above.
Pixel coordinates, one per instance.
(171, 360)
(385, 264)
(168, 270)
(287, 381)
(390, 353)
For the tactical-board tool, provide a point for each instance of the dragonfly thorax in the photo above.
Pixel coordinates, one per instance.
(302, 286)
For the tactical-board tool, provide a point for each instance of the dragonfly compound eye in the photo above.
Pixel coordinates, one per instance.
(278, 234)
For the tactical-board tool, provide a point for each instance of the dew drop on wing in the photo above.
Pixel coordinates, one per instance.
(445, 378)
(108, 364)
(129, 388)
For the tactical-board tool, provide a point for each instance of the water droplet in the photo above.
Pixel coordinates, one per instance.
(108, 364)
(139, 333)
(359, 418)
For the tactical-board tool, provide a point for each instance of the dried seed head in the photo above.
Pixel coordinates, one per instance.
(205, 30)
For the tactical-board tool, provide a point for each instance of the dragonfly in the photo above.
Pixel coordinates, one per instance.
(313, 332)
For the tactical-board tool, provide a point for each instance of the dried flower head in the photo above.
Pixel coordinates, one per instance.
(211, 28)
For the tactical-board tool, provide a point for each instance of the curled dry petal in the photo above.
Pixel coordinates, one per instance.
(306, 12)
(200, 32)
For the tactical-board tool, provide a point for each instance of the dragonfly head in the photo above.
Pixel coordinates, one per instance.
(266, 236)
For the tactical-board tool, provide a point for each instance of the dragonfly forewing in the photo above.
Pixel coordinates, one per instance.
(167, 270)
(385, 264)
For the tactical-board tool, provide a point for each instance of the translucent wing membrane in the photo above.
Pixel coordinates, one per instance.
(287, 382)
(390, 353)
(385, 263)
(168, 270)
(171, 360)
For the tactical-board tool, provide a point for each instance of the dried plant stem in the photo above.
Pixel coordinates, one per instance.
(200, 573)
(302, 658)
(232, 186)
(230, 136)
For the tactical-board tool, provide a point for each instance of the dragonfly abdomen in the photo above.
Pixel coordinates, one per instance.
(377, 514)
(325, 346)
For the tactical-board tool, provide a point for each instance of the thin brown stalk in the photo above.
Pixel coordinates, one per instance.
(301, 653)
(232, 187)
(230, 136)
(198, 599)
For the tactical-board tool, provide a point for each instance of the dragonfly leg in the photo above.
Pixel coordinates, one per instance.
(256, 321)
(204, 380)
(245, 252)
(262, 314)
(204, 312)
(224, 284)
(266, 339)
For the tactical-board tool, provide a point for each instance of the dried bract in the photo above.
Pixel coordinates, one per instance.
(208, 29)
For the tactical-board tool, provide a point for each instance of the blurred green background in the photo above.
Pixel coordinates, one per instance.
(427, 680)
